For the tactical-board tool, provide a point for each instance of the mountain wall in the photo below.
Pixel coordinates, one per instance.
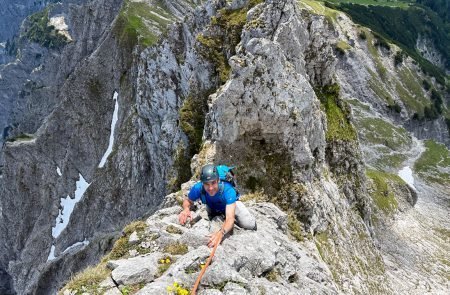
(287, 91)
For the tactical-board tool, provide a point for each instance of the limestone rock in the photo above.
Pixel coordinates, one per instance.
(134, 239)
(135, 270)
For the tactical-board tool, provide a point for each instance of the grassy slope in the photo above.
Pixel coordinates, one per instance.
(434, 163)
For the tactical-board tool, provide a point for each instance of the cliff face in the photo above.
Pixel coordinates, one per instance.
(272, 87)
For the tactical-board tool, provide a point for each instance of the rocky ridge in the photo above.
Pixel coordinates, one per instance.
(247, 262)
(275, 111)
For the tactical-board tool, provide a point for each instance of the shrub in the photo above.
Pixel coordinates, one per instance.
(426, 85)
(398, 58)
(40, 32)
(362, 35)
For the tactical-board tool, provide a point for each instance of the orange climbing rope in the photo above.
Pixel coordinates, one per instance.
(197, 282)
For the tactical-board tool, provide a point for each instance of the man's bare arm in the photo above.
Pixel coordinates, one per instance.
(186, 213)
(230, 211)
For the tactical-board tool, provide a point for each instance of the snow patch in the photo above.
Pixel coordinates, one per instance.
(60, 25)
(111, 137)
(84, 244)
(67, 206)
(51, 256)
(406, 175)
(58, 171)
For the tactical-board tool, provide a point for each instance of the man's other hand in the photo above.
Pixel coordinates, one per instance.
(184, 215)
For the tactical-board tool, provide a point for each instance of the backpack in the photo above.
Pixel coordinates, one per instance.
(226, 174)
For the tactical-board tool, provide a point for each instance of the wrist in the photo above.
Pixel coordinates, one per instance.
(223, 231)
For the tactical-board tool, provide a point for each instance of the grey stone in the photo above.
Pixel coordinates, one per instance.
(113, 291)
(134, 239)
(135, 270)
(234, 289)
(107, 283)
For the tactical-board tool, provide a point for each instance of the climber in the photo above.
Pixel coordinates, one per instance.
(221, 198)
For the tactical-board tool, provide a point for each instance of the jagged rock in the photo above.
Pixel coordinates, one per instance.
(133, 252)
(265, 118)
(135, 270)
(113, 291)
(107, 283)
(244, 257)
(134, 239)
(234, 289)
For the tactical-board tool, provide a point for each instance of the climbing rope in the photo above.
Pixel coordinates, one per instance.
(197, 282)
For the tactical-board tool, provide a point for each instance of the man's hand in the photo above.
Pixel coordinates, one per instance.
(215, 238)
(184, 215)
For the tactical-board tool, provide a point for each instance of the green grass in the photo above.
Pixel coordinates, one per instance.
(382, 191)
(358, 104)
(390, 160)
(141, 24)
(394, 3)
(173, 230)
(295, 227)
(319, 8)
(434, 163)
(272, 276)
(38, 31)
(164, 264)
(131, 289)
(412, 103)
(88, 281)
(176, 248)
(226, 34)
(390, 23)
(122, 247)
(373, 50)
(21, 137)
(411, 92)
(378, 88)
(342, 46)
(338, 123)
(378, 131)
(344, 263)
(192, 120)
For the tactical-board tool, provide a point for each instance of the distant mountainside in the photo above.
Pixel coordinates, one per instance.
(335, 114)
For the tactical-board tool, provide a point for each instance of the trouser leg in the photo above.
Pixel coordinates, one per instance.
(244, 218)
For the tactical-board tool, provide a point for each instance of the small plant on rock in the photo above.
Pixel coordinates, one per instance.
(177, 289)
(176, 248)
(164, 264)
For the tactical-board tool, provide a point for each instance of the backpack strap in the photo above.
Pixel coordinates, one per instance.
(203, 195)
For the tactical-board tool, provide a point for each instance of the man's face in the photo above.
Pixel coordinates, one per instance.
(211, 187)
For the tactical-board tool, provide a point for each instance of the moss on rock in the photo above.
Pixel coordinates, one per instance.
(176, 248)
(88, 281)
(219, 43)
(338, 115)
(382, 190)
(140, 23)
(38, 30)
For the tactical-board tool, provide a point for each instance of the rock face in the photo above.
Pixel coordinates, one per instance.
(68, 145)
(248, 262)
(247, 83)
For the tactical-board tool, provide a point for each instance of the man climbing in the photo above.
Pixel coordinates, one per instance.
(220, 198)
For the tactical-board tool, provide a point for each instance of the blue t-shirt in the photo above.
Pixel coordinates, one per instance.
(225, 196)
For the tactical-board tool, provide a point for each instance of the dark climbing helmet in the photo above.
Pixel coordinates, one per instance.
(209, 172)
